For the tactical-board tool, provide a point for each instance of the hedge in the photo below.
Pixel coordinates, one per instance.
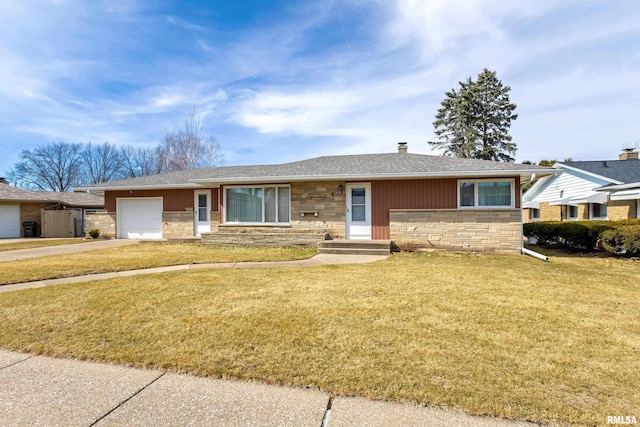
(624, 240)
(614, 236)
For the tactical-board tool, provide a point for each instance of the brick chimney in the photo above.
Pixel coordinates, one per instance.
(403, 147)
(629, 154)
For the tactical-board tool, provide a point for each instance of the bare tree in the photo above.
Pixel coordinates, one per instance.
(102, 163)
(141, 161)
(189, 148)
(52, 167)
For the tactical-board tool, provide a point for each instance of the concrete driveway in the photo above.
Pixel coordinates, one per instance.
(72, 248)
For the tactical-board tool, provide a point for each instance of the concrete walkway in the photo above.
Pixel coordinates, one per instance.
(319, 259)
(43, 391)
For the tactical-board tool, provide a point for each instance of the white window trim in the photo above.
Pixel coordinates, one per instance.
(597, 217)
(224, 198)
(475, 193)
(572, 218)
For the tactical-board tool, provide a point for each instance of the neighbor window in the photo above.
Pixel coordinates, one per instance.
(598, 211)
(485, 193)
(572, 212)
(256, 205)
(534, 213)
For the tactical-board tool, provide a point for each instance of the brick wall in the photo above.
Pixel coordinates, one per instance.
(621, 209)
(32, 212)
(103, 221)
(477, 230)
(550, 213)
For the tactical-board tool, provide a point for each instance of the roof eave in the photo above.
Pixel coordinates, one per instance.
(102, 188)
(372, 177)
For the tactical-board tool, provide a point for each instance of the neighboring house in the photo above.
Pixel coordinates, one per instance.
(414, 200)
(602, 189)
(18, 206)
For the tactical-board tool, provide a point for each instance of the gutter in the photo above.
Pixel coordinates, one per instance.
(371, 176)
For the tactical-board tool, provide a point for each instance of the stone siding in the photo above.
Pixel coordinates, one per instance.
(103, 221)
(475, 230)
(177, 224)
(263, 236)
(309, 198)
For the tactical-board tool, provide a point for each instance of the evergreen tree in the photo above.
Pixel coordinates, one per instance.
(474, 121)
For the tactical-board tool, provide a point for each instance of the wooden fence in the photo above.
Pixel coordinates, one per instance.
(60, 223)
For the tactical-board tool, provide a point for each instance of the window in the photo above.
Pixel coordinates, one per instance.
(598, 211)
(486, 193)
(572, 212)
(534, 213)
(256, 205)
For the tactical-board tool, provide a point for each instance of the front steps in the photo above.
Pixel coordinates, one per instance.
(355, 247)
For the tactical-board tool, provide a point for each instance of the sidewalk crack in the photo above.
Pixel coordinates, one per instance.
(325, 418)
(126, 400)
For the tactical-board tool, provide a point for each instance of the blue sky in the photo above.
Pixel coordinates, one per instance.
(278, 81)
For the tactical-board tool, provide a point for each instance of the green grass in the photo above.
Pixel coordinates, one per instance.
(507, 336)
(39, 243)
(145, 255)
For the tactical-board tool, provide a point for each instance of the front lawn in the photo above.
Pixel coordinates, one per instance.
(507, 336)
(144, 255)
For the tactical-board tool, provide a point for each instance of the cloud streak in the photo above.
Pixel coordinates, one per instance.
(342, 76)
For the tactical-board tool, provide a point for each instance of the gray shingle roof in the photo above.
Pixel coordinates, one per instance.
(363, 166)
(15, 194)
(620, 170)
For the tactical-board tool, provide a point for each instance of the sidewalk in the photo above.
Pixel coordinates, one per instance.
(44, 391)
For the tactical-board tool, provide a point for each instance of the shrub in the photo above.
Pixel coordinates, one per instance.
(94, 233)
(624, 240)
(576, 234)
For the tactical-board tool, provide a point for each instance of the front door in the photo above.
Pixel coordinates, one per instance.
(359, 211)
(202, 211)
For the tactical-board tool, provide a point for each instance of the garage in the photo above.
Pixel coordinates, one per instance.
(9, 221)
(139, 218)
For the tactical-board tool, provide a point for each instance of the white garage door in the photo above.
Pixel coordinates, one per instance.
(140, 218)
(9, 220)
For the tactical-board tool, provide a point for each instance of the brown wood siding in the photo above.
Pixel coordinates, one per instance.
(173, 200)
(414, 194)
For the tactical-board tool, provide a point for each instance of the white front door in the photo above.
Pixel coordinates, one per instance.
(202, 211)
(359, 211)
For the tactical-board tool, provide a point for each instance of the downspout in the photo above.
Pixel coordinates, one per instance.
(524, 250)
(534, 254)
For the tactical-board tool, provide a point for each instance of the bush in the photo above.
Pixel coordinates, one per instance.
(94, 233)
(624, 240)
(575, 234)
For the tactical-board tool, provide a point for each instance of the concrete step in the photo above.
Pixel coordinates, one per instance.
(353, 251)
(355, 247)
(186, 239)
